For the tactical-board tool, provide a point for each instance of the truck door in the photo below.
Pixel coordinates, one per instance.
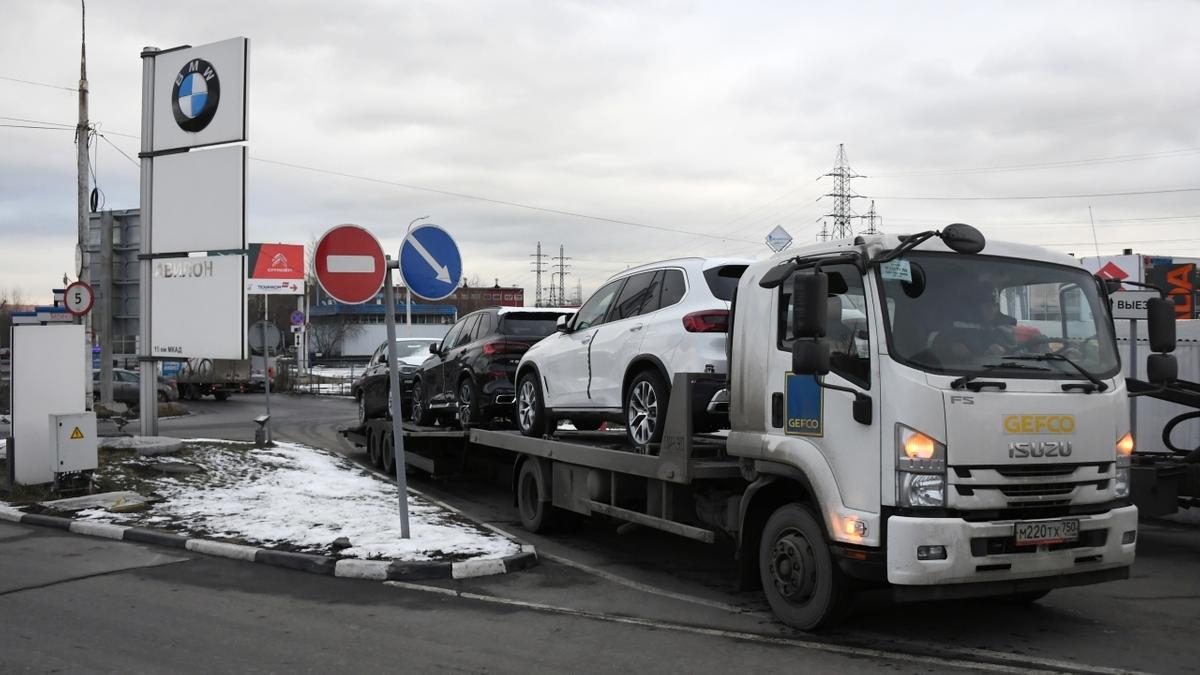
(824, 417)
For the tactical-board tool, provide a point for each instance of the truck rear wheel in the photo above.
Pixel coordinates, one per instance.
(220, 395)
(800, 578)
(387, 453)
(536, 515)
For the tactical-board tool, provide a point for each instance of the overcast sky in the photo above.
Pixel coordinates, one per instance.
(714, 119)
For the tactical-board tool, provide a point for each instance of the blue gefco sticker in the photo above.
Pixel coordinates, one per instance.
(804, 399)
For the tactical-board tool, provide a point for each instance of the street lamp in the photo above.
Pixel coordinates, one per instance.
(407, 291)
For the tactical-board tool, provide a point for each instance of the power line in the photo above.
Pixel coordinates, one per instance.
(29, 121)
(123, 154)
(1043, 165)
(29, 126)
(39, 84)
(1018, 197)
(490, 200)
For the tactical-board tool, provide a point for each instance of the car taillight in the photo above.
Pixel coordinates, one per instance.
(504, 347)
(709, 321)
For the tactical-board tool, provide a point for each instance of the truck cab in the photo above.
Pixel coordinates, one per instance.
(934, 412)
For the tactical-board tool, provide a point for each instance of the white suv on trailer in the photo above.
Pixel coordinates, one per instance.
(614, 360)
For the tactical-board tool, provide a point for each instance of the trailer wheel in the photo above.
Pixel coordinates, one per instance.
(220, 395)
(536, 515)
(387, 452)
(374, 456)
(802, 582)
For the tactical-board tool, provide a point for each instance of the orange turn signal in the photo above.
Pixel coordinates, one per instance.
(919, 446)
(1125, 445)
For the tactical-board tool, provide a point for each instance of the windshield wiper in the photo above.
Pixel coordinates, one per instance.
(965, 380)
(1099, 385)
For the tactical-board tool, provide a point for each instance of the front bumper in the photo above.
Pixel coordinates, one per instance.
(982, 551)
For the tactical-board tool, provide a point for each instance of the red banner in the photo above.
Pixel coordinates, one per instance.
(277, 261)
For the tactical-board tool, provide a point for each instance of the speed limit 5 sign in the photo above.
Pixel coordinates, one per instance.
(78, 298)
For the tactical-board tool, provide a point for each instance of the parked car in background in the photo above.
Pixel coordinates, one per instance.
(372, 390)
(126, 387)
(615, 359)
(470, 376)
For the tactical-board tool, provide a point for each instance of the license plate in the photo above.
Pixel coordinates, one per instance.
(1046, 532)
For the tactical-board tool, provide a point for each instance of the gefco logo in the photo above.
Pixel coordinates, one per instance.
(195, 96)
(1039, 424)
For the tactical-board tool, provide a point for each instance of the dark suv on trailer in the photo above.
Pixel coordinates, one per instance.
(470, 375)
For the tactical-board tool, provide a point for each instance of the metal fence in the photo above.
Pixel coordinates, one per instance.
(326, 379)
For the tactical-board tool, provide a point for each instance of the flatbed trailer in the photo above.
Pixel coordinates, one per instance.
(687, 485)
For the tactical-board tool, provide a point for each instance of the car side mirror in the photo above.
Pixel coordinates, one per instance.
(1162, 369)
(1160, 325)
(563, 324)
(433, 348)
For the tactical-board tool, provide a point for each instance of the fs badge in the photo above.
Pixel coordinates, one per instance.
(196, 94)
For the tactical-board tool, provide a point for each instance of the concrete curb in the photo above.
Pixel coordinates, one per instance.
(348, 568)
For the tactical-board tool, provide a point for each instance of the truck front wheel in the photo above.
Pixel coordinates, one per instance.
(802, 582)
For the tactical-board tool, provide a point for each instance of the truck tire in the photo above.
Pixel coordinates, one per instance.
(421, 415)
(221, 395)
(387, 453)
(374, 456)
(536, 515)
(800, 578)
(531, 407)
(646, 409)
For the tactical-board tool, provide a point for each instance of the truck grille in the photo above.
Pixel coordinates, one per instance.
(1007, 488)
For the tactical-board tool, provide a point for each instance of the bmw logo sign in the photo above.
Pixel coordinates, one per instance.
(195, 96)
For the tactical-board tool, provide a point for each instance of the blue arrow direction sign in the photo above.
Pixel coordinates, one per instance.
(430, 263)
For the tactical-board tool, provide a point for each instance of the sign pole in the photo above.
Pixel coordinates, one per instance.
(148, 396)
(389, 299)
(266, 366)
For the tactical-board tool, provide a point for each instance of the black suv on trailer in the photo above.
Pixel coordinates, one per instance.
(470, 375)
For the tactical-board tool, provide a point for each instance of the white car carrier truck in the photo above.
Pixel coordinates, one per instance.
(931, 413)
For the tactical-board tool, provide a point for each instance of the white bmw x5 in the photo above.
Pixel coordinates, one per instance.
(614, 360)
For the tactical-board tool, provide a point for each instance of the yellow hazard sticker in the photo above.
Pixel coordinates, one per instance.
(77, 434)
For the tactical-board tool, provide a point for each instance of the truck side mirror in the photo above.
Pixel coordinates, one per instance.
(1110, 285)
(810, 357)
(810, 302)
(1160, 325)
(1162, 369)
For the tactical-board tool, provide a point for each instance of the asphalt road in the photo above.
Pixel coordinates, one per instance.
(599, 602)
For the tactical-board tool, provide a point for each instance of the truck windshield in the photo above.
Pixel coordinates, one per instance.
(961, 314)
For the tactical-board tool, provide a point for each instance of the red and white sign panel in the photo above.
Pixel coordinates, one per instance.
(349, 264)
(78, 298)
(276, 269)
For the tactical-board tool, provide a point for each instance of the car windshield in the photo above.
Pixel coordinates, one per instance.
(528, 324)
(407, 348)
(963, 314)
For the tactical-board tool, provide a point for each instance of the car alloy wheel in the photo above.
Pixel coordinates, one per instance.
(526, 400)
(643, 412)
(465, 401)
(362, 409)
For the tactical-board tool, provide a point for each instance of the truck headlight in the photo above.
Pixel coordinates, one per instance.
(920, 469)
(1121, 484)
(920, 489)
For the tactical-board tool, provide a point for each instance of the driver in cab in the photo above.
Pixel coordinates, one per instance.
(978, 329)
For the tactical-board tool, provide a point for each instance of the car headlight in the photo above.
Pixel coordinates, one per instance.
(407, 370)
(920, 469)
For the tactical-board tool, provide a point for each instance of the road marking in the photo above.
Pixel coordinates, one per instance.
(350, 264)
(716, 632)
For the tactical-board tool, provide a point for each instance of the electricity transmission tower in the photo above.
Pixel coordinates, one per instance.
(560, 298)
(873, 219)
(538, 267)
(842, 193)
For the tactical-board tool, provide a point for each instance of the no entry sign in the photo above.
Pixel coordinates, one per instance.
(349, 264)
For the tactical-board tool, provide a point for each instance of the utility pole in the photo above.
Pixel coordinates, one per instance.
(81, 147)
(538, 267)
(578, 292)
(842, 193)
(561, 298)
(823, 235)
(873, 220)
